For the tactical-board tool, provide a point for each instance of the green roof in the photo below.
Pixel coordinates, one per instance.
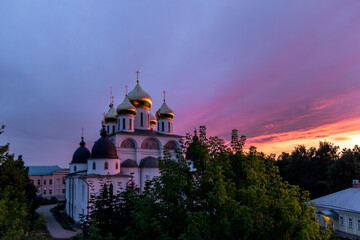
(42, 170)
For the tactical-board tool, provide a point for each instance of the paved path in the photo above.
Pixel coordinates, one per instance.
(55, 229)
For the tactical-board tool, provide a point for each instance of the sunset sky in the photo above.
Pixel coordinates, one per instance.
(282, 72)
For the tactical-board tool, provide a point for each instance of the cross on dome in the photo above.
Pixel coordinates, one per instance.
(164, 92)
(126, 86)
(137, 76)
(82, 133)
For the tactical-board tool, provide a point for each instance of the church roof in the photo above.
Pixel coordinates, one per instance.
(151, 133)
(126, 107)
(111, 115)
(81, 154)
(149, 162)
(139, 98)
(164, 112)
(129, 163)
(42, 170)
(103, 147)
(345, 200)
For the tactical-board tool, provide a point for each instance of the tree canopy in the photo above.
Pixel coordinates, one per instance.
(210, 191)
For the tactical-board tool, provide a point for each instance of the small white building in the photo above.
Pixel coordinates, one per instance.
(340, 211)
(130, 143)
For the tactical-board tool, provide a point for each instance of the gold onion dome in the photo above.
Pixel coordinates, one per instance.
(164, 112)
(126, 107)
(139, 98)
(152, 120)
(111, 115)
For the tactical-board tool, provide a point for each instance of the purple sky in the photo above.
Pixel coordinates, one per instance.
(267, 68)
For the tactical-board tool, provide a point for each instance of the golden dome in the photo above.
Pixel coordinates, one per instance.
(111, 115)
(152, 120)
(126, 108)
(139, 98)
(164, 112)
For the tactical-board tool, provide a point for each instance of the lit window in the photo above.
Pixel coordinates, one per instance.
(106, 165)
(94, 166)
(350, 222)
(341, 220)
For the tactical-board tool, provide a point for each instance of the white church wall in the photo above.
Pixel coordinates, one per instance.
(100, 166)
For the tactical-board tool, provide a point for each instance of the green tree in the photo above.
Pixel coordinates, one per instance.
(17, 196)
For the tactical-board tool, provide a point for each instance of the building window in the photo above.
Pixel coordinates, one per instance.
(119, 124)
(169, 126)
(74, 168)
(358, 225)
(50, 191)
(162, 126)
(39, 182)
(44, 191)
(113, 129)
(63, 190)
(58, 181)
(158, 126)
(44, 181)
(117, 165)
(63, 180)
(94, 166)
(107, 129)
(123, 123)
(130, 124)
(106, 165)
(148, 120)
(50, 181)
(57, 191)
(341, 220)
(141, 119)
(350, 222)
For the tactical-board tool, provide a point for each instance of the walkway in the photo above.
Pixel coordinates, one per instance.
(55, 229)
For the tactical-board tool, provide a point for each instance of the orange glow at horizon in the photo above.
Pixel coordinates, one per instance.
(345, 134)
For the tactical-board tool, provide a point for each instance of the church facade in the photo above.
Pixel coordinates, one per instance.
(130, 144)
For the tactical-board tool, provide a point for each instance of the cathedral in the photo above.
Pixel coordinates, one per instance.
(130, 144)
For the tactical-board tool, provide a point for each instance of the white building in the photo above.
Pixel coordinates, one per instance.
(340, 211)
(131, 142)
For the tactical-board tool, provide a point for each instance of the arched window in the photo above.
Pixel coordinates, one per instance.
(113, 129)
(127, 143)
(149, 143)
(123, 123)
(141, 119)
(130, 124)
(158, 126)
(171, 145)
(117, 165)
(75, 168)
(107, 128)
(162, 126)
(94, 166)
(106, 165)
(148, 120)
(168, 126)
(119, 124)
